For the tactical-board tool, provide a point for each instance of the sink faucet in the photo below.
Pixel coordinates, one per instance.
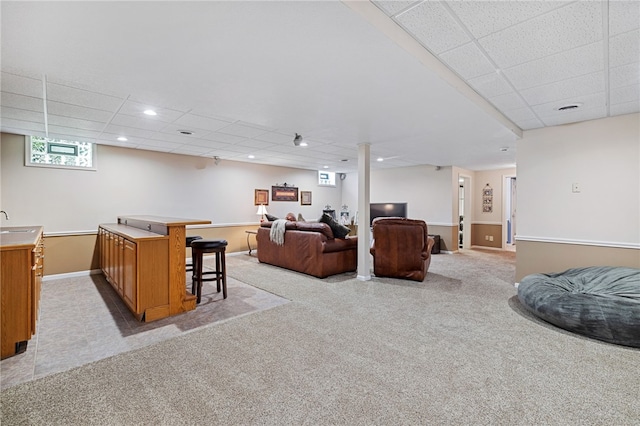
(5, 214)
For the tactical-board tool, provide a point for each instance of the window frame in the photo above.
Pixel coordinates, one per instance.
(28, 145)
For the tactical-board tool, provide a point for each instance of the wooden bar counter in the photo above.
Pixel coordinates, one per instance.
(143, 258)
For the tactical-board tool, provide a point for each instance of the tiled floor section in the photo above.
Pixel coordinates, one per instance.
(83, 320)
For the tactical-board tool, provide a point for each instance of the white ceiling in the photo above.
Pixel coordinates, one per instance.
(244, 77)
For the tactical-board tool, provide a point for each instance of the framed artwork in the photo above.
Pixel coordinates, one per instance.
(284, 193)
(305, 198)
(487, 199)
(261, 196)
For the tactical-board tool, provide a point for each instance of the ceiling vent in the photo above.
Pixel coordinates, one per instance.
(569, 107)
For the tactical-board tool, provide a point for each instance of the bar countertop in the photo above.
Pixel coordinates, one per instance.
(164, 220)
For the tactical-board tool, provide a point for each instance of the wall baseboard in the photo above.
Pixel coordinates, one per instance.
(578, 242)
(71, 275)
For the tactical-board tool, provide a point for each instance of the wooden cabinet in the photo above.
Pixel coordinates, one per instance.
(129, 288)
(21, 263)
(143, 258)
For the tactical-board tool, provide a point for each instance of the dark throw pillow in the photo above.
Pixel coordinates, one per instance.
(339, 231)
(270, 218)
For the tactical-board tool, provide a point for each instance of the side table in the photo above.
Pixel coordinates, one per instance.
(248, 243)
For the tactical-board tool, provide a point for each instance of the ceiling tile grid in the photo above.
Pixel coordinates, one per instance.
(527, 58)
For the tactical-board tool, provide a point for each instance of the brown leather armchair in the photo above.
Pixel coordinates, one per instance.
(401, 248)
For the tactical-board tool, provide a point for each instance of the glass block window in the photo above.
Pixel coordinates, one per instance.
(46, 152)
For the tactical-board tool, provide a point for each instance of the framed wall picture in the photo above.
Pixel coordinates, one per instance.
(305, 198)
(261, 196)
(284, 193)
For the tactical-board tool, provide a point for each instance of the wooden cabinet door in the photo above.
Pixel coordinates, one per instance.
(130, 282)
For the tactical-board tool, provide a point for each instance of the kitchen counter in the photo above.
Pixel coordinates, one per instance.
(21, 267)
(14, 237)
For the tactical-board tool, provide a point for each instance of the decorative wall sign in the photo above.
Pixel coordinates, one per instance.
(487, 199)
(261, 196)
(284, 193)
(305, 198)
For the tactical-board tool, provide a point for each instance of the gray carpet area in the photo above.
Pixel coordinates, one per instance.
(457, 348)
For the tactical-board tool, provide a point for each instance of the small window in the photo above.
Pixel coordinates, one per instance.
(44, 152)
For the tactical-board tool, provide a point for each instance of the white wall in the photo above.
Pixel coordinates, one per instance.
(426, 191)
(603, 157)
(130, 182)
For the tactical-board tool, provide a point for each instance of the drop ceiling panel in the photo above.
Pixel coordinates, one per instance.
(242, 130)
(562, 29)
(521, 114)
(188, 121)
(137, 122)
(533, 123)
(561, 66)
(175, 129)
(128, 132)
(221, 137)
(276, 137)
(573, 117)
(12, 83)
(625, 94)
(83, 98)
(508, 101)
(623, 16)
(625, 75)
(20, 114)
(626, 108)
(590, 102)
(158, 144)
(72, 123)
(486, 17)
(255, 144)
(22, 124)
(137, 109)
(468, 61)
(565, 89)
(490, 85)
(624, 48)
(72, 133)
(21, 102)
(431, 24)
(76, 111)
(394, 7)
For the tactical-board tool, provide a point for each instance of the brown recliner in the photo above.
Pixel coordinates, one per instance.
(401, 248)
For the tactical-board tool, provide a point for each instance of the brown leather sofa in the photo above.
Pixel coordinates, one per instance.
(310, 248)
(401, 248)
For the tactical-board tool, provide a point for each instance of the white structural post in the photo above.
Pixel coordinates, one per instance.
(364, 234)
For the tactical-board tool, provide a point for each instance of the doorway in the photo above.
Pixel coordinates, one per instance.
(509, 213)
(464, 212)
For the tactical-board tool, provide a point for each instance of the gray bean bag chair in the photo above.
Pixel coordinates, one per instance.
(600, 302)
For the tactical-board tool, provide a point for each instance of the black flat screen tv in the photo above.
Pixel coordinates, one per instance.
(387, 210)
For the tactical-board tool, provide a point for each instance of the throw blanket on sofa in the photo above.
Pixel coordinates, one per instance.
(277, 231)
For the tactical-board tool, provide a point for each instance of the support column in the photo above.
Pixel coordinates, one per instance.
(364, 234)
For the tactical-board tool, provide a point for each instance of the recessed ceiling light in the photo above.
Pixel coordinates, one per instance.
(344, 160)
(185, 132)
(122, 139)
(251, 156)
(504, 149)
(325, 167)
(380, 159)
(150, 112)
(569, 107)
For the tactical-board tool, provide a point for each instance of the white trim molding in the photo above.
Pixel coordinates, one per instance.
(479, 222)
(635, 246)
(441, 224)
(71, 275)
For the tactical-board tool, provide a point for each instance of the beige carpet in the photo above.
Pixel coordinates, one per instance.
(455, 349)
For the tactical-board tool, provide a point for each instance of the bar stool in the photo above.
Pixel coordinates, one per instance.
(189, 266)
(198, 249)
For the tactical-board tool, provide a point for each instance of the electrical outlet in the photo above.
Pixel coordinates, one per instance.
(490, 237)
